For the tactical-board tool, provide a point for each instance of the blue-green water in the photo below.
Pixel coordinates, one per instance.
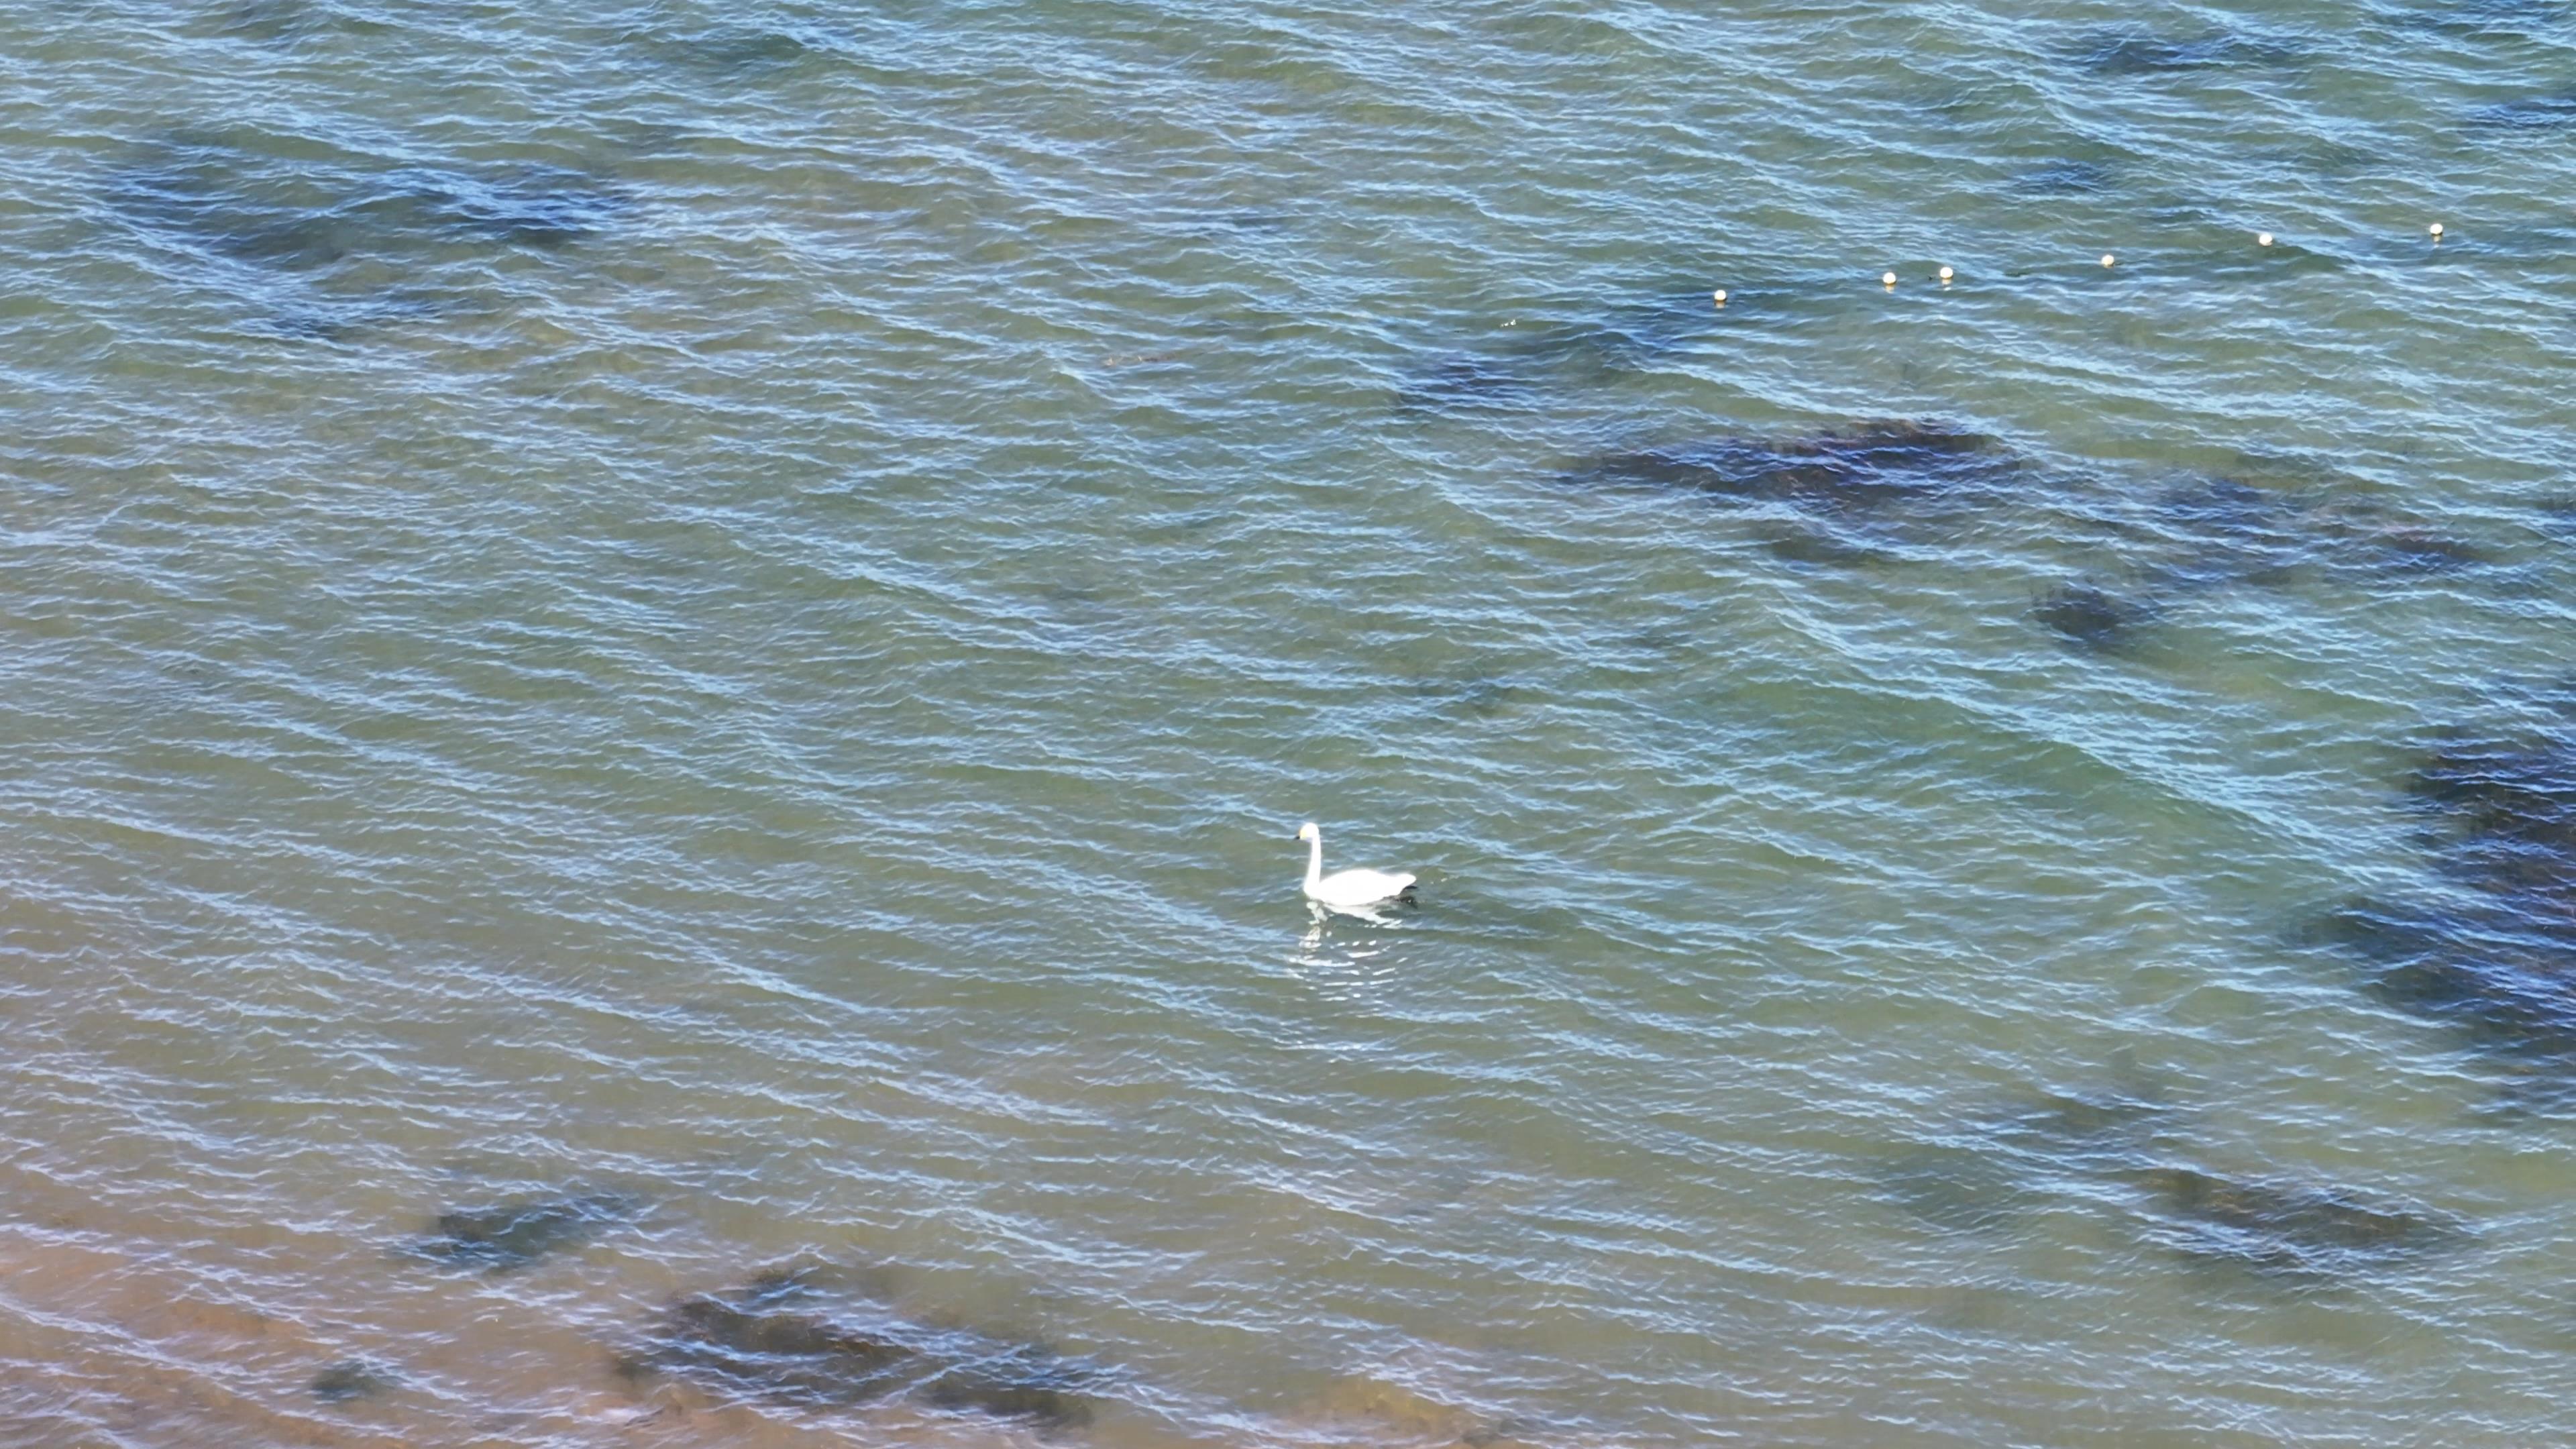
(709, 624)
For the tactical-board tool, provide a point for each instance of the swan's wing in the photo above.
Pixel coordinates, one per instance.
(1364, 885)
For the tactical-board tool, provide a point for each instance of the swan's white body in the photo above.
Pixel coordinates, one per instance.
(1348, 887)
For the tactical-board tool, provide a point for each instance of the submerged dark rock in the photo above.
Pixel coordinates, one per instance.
(787, 1337)
(754, 1341)
(2286, 1227)
(351, 1379)
(1035, 1392)
(2088, 616)
(514, 1234)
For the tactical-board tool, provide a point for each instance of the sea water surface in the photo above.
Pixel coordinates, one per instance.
(657, 662)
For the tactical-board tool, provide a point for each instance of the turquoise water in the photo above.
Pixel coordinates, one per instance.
(652, 645)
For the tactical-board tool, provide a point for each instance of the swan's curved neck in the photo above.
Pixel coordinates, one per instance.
(1315, 860)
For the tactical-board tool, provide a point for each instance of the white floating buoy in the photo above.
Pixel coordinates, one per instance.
(1720, 295)
(2108, 259)
(2262, 238)
(1889, 278)
(2436, 230)
(1946, 275)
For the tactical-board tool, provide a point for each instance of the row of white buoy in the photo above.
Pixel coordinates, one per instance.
(1948, 274)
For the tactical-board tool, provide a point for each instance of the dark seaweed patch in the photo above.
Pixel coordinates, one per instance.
(2136, 54)
(198, 196)
(733, 51)
(313, 325)
(1629, 337)
(1466, 384)
(1963, 1188)
(1813, 547)
(2472, 969)
(1507, 371)
(2213, 532)
(509, 1235)
(2085, 615)
(1484, 698)
(268, 21)
(2063, 178)
(2411, 549)
(1994, 1174)
(2263, 535)
(2493, 17)
(288, 204)
(1863, 469)
(2291, 1228)
(2225, 531)
(323, 319)
(2496, 956)
(2240, 264)
(351, 1379)
(755, 50)
(2086, 1127)
(2227, 509)
(2557, 514)
(2074, 1144)
(532, 206)
(2512, 808)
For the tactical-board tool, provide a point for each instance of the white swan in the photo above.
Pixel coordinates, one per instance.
(1349, 887)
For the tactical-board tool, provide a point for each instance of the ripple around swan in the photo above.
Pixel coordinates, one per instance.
(660, 657)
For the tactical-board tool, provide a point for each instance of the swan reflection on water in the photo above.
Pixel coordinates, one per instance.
(1357, 925)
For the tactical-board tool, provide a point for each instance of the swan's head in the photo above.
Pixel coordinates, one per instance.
(1308, 831)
